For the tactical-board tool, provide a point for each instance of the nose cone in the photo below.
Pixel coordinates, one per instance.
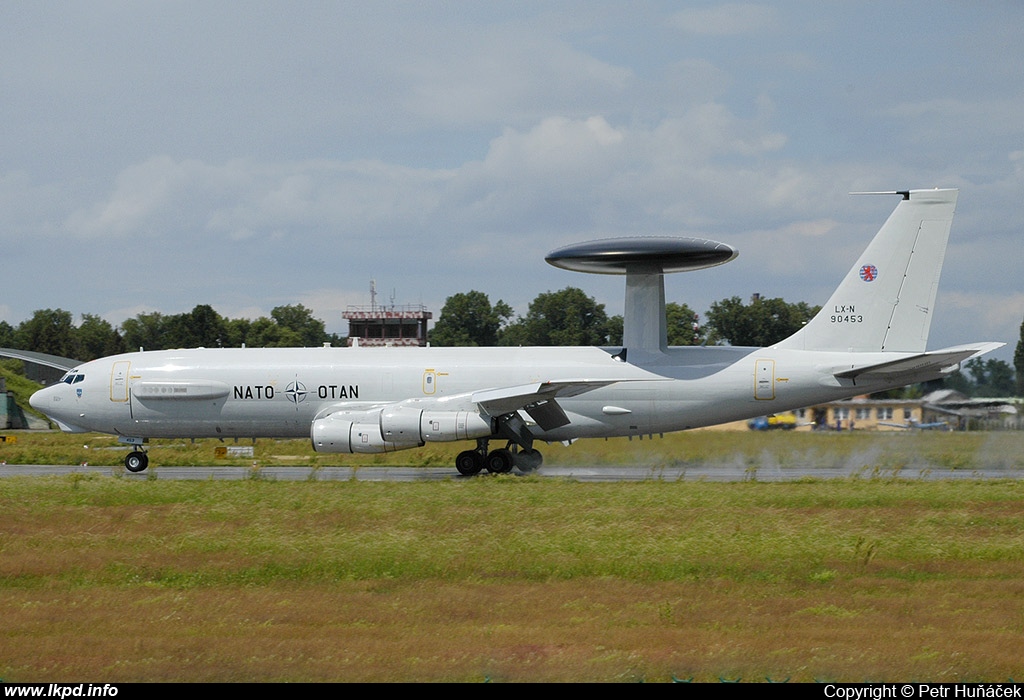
(51, 401)
(39, 400)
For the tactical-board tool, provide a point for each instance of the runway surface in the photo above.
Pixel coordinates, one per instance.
(709, 472)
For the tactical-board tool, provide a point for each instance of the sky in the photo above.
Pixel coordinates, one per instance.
(159, 155)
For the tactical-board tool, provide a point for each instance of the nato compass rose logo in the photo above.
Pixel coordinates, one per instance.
(296, 392)
(868, 273)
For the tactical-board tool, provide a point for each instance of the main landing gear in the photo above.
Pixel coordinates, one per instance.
(136, 461)
(501, 461)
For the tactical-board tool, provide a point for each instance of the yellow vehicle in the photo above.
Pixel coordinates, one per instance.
(784, 421)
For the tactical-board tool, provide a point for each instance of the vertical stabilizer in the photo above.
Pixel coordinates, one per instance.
(886, 300)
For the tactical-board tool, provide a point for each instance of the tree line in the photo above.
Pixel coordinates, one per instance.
(52, 331)
(570, 317)
(565, 317)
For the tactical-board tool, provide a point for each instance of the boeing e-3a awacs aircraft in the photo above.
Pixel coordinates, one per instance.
(871, 335)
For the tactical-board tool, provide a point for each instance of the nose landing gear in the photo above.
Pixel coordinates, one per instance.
(136, 461)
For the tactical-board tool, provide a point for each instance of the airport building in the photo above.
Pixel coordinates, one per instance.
(939, 410)
(378, 326)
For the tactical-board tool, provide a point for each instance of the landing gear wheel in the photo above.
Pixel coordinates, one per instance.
(136, 461)
(499, 462)
(528, 461)
(469, 463)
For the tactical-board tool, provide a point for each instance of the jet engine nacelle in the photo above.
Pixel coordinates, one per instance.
(403, 423)
(396, 428)
(353, 432)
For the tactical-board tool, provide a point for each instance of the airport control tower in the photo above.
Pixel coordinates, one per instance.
(379, 325)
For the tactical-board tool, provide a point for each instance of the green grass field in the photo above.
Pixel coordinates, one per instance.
(907, 452)
(518, 579)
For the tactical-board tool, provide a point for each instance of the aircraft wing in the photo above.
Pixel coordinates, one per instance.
(927, 364)
(537, 399)
(512, 398)
(39, 358)
(952, 406)
(917, 426)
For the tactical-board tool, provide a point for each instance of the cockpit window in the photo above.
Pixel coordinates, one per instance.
(73, 377)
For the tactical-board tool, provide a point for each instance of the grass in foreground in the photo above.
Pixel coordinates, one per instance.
(512, 579)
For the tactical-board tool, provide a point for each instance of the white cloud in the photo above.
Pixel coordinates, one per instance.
(982, 316)
(942, 118)
(1017, 160)
(557, 147)
(147, 198)
(729, 19)
(501, 74)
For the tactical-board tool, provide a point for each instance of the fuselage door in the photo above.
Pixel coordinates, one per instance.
(119, 381)
(764, 380)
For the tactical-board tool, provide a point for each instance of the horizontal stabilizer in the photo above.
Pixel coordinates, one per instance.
(920, 367)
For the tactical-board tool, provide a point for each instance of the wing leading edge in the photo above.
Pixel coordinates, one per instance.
(537, 399)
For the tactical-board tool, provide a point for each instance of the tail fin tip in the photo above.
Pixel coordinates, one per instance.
(885, 301)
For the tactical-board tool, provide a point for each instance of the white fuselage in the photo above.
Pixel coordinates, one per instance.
(280, 392)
